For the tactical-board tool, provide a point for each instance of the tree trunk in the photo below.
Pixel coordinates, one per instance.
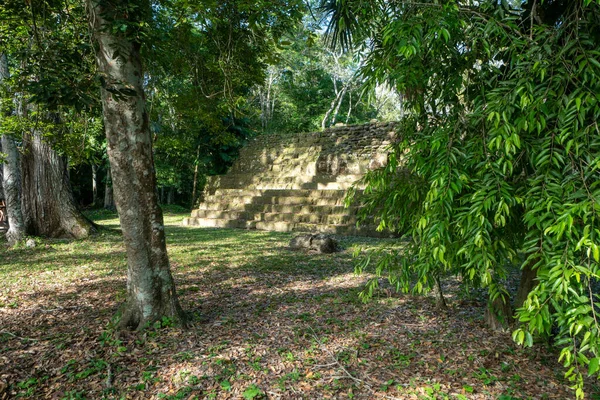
(331, 108)
(499, 313)
(349, 108)
(109, 202)
(339, 103)
(94, 185)
(195, 187)
(48, 204)
(528, 275)
(11, 177)
(11, 183)
(171, 196)
(151, 293)
(440, 301)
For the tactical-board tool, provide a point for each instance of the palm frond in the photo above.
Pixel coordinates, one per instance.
(343, 22)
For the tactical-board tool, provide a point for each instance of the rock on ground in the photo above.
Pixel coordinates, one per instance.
(318, 243)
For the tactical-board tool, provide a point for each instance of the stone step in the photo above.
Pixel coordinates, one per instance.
(309, 209)
(241, 180)
(328, 219)
(223, 214)
(296, 182)
(254, 164)
(218, 223)
(313, 165)
(346, 229)
(281, 185)
(250, 210)
(223, 192)
(283, 226)
(310, 186)
(335, 219)
(303, 158)
(241, 202)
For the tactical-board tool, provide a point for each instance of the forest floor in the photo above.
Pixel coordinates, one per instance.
(267, 323)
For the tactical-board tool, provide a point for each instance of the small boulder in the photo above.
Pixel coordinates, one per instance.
(301, 242)
(318, 243)
(30, 243)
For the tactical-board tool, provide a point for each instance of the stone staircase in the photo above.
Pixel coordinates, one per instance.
(296, 182)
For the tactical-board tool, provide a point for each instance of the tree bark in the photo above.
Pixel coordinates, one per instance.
(339, 104)
(151, 291)
(195, 187)
(171, 195)
(499, 313)
(11, 177)
(440, 301)
(11, 183)
(527, 283)
(331, 108)
(94, 185)
(48, 204)
(349, 108)
(109, 202)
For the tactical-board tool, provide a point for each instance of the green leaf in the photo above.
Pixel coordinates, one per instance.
(594, 366)
(251, 392)
(226, 385)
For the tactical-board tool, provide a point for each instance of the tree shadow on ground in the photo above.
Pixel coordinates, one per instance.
(296, 339)
(290, 323)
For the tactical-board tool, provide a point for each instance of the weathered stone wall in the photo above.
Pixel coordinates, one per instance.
(296, 182)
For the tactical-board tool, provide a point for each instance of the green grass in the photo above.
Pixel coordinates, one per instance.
(265, 322)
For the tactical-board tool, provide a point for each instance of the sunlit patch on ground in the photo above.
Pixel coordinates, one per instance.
(267, 322)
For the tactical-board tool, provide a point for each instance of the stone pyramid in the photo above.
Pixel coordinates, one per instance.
(296, 182)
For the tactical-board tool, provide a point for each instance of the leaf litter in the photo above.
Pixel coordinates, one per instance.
(267, 323)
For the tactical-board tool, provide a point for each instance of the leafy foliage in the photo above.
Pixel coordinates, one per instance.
(310, 86)
(52, 86)
(204, 58)
(200, 60)
(498, 161)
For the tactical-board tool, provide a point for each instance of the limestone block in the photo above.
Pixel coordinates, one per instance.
(295, 182)
(378, 160)
(319, 243)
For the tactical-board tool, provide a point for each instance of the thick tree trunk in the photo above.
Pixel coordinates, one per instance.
(528, 275)
(109, 202)
(11, 183)
(48, 204)
(11, 177)
(150, 288)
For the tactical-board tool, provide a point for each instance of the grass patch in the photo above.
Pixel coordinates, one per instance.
(267, 322)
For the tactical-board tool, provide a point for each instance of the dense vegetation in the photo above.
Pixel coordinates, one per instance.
(497, 166)
(215, 76)
(268, 323)
(498, 163)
